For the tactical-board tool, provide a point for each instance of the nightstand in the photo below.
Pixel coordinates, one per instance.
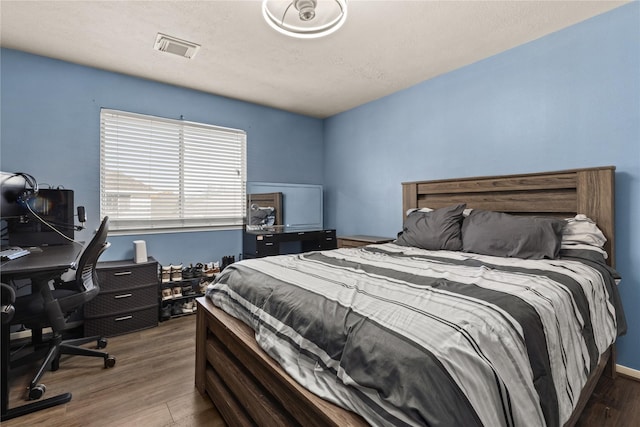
(360, 240)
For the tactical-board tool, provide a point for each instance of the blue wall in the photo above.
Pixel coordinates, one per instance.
(50, 117)
(568, 100)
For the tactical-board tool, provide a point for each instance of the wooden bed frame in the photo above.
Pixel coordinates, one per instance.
(249, 388)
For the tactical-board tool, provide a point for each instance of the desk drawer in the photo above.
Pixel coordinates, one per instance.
(329, 241)
(267, 247)
(122, 300)
(127, 276)
(122, 323)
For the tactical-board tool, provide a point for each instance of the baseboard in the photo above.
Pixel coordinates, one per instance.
(628, 372)
(27, 333)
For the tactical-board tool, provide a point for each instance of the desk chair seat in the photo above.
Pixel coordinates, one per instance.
(45, 307)
(30, 312)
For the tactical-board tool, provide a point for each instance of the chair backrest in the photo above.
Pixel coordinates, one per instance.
(85, 287)
(86, 276)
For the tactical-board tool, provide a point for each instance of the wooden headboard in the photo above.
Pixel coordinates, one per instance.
(561, 194)
(265, 200)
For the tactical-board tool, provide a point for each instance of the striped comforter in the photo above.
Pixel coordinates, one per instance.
(405, 336)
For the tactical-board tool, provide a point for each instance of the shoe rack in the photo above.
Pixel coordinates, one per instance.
(180, 286)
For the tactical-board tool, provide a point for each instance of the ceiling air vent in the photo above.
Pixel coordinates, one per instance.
(165, 43)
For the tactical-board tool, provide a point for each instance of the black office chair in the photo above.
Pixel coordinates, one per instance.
(36, 313)
(8, 311)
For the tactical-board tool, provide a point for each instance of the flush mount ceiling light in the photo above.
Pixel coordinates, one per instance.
(305, 18)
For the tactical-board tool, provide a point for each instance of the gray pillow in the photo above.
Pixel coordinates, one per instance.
(435, 230)
(500, 234)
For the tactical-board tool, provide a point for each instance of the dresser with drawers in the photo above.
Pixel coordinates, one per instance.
(128, 298)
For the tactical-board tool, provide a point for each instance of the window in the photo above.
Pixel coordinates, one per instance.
(161, 174)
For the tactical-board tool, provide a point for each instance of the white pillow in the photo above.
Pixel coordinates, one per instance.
(465, 213)
(418, 210)
(581, 230)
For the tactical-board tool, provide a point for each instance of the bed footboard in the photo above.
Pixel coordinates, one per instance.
(249, 388)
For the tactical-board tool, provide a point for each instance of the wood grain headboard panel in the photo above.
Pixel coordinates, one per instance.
(561, 194)
(267, 200)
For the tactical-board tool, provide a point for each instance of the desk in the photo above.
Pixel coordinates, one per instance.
(41, 265)
(45, 260)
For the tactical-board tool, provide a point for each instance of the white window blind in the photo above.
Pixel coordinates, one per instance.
(163, 174)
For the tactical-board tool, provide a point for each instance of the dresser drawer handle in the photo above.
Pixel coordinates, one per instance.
(119, 319)
(301, 233)
(122, 296)
(268, 244)
(122, 273)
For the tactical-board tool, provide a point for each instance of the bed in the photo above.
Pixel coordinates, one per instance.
(249, 387)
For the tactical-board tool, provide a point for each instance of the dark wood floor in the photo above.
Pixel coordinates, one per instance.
(613, 403)
(152, 385)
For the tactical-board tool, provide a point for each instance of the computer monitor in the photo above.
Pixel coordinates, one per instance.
(53, 206)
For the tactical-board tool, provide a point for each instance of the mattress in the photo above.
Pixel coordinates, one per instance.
(406, 336)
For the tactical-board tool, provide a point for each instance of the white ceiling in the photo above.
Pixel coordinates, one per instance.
(384, 46)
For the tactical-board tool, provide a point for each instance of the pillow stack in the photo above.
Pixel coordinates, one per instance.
(455, 228)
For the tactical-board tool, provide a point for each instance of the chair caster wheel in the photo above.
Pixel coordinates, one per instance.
(102, 342)
(110, 362)
(37, 392)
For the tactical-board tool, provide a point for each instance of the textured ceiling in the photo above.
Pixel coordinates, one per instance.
(384, 46)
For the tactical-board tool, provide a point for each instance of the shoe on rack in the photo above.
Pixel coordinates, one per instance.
(197, 270)
(187, 307)
(176, 309)
(207, 270)
(227, 261)
(165, 312)
(167, 293)
(187, 272)
(177, 291)
(202, 286)
(166, 273)
(176, 273)
(187, 289)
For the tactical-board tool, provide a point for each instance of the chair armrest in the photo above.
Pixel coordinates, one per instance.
(8, 299)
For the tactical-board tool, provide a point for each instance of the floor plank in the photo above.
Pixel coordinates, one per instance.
(152, 385)
(614, 403)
